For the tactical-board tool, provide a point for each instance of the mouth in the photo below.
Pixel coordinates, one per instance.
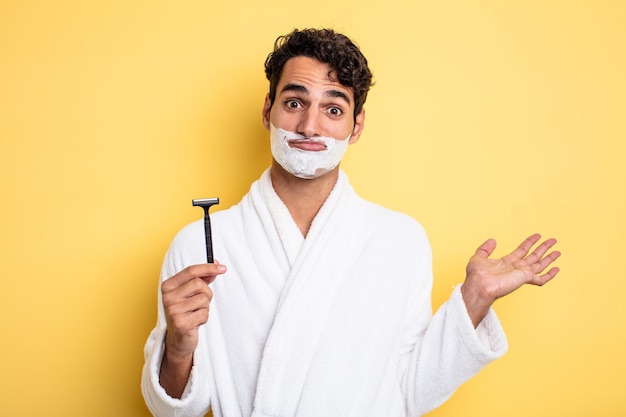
(307, 145)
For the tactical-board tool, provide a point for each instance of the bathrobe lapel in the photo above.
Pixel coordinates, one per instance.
(318, 264)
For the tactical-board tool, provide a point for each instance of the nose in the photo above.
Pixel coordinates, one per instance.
(309, 124)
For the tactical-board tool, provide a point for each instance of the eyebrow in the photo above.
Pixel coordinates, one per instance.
(338, 94)
(302, 89)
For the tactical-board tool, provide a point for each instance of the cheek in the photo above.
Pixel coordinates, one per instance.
(348, 130)
(281, 119)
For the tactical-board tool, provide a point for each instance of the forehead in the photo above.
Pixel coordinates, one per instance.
(311, 74)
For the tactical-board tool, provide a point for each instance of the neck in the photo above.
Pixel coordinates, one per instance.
(303, 198)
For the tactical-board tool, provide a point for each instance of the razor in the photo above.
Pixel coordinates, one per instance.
(206, 203)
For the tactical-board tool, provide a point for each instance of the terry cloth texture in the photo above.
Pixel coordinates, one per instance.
(335, 324)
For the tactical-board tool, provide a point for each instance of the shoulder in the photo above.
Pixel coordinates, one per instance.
(190, 231)
(185, 248)
(393, 222)
(396, 233)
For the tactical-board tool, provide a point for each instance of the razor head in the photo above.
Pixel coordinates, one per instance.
(205, 202)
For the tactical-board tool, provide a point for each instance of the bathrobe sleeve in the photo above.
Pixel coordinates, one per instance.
(443, 351)
(195, 400)
(451, 352)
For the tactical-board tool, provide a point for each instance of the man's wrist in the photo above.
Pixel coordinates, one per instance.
(476, 303)
(175, 357)
(174, 372)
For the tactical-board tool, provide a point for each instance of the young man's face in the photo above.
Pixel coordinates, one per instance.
(307, 102)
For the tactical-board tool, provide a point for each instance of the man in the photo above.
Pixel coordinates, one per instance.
(324, 309)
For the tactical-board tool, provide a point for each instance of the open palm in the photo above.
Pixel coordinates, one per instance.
(489, 279)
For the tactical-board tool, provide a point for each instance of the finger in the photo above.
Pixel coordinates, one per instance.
(219, 269)
(188, 305)
(177, 297)
(538, 267)
(543, 279)
(186, 275)
(485, 250)
(540, 251)
(204, 271)
(191, 321)
(525, 246)
(192, 288)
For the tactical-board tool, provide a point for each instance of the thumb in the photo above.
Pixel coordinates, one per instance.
(217, 269)
(485, 250)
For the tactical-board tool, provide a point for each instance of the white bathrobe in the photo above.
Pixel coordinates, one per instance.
(337, 324)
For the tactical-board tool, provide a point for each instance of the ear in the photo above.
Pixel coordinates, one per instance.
(266, 111)
(359, 124)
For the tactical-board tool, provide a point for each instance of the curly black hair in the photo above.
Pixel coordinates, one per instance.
(345, 59)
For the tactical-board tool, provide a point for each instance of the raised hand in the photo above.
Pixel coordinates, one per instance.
(489, 279)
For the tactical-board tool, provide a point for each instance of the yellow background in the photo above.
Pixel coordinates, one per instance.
(489, 118)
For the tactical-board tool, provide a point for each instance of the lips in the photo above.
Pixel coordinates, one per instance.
(307, 145)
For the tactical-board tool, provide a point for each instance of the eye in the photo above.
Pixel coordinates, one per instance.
(335, 111)
(293, 104)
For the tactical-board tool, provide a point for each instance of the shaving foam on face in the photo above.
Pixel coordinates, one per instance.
(302, 163)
